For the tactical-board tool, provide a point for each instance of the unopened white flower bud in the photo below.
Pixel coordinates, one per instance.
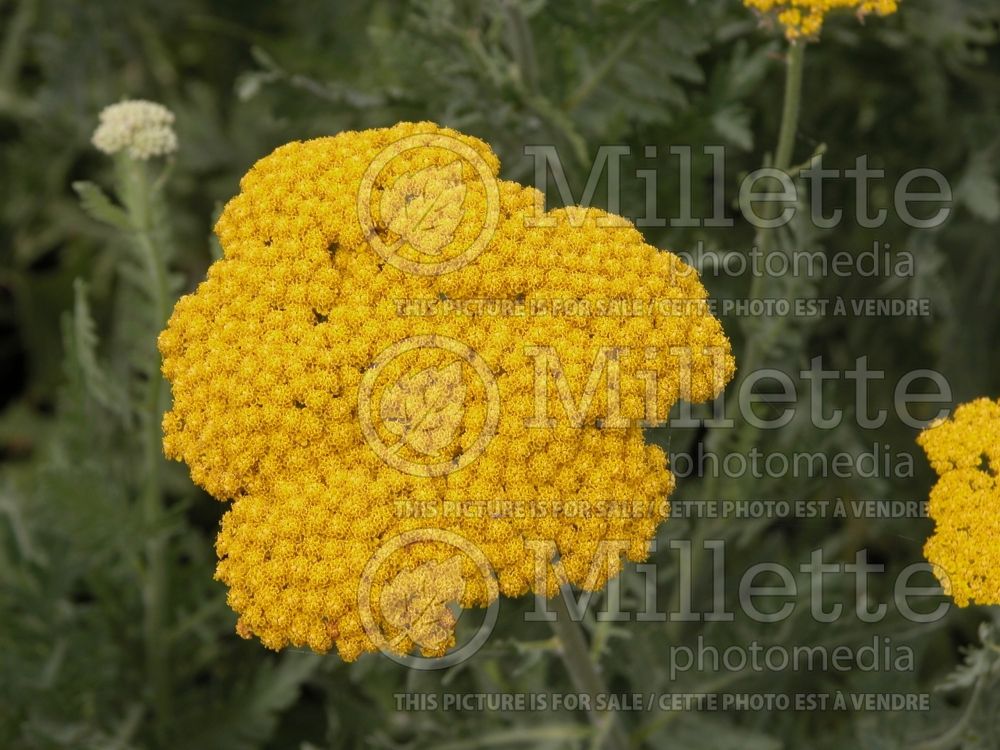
(143, 128)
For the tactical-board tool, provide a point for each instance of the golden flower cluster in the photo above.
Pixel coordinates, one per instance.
(803, 19)
(964, 503)
(280, 354)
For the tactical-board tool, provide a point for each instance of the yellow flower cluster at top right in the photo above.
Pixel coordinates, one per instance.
(803, 19)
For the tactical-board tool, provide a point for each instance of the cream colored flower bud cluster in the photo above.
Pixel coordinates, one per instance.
(141, 128)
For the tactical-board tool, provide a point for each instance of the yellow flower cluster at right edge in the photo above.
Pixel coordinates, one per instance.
(965, 451)
(803, 19)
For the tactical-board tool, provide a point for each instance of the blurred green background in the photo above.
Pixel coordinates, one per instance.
(918, 89)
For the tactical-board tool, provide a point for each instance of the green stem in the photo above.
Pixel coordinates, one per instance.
(14, 43)
(790, 109)
(155, 593)
(782, 161)
(584, 674)
(953, 737)
(137, 197)
(590, 84)
(524, 46)
(553, 116)
(753, 346)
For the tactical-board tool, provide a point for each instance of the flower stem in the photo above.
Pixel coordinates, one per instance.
(754, 344)
(584, 674)
(790, 109)
(953, 737)
(137, 188)
(524, 45)
(782, 161)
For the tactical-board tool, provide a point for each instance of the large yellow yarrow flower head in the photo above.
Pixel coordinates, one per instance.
(803, 19)
(304, 392)
(965, 502)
